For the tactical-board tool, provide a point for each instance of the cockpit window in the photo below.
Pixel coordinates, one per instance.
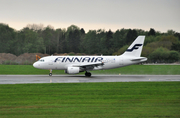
(41, 60)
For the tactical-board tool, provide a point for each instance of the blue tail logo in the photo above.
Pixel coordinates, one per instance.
(135, 47)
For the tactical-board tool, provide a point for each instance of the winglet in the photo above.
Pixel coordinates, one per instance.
(135, 48)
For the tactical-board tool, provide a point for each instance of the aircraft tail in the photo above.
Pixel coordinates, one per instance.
(135, 48)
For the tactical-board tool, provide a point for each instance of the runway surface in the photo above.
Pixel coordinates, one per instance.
(21, 79)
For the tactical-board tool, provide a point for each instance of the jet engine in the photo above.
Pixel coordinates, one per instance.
(72, 70)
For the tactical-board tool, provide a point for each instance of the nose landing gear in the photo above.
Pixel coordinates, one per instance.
(50, 74)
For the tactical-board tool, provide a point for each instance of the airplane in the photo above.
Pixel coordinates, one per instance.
(77, 64)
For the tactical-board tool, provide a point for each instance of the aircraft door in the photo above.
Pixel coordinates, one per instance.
(50, 62)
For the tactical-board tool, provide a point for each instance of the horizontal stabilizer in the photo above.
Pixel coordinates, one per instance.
(140, 59)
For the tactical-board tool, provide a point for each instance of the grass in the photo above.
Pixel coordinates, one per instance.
(132, 99)
(133, 69)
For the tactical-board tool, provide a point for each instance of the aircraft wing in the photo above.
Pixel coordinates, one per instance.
(89, 64)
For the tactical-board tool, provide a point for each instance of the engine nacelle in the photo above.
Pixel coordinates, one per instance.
(72, 70)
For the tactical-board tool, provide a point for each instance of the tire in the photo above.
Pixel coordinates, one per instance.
(50, 74)
(88, 74)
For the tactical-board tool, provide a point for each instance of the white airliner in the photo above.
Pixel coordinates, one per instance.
(77, 64)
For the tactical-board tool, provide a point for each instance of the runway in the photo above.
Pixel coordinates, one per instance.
(25, 79)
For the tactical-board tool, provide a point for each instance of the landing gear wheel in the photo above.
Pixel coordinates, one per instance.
(88, 74)
(50, 74)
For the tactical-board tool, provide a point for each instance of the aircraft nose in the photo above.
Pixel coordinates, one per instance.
(35, 65)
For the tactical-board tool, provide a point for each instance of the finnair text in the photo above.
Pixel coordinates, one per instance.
(78, 59)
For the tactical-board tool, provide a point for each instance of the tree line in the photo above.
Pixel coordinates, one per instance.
(158, 47)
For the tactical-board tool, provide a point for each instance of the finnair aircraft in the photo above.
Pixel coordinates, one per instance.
(77, 64)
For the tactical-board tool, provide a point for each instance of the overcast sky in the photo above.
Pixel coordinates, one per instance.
(93, 14)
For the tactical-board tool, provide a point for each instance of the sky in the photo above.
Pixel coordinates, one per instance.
(162, 15)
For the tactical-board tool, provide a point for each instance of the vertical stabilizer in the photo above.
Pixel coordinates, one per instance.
(135, 48)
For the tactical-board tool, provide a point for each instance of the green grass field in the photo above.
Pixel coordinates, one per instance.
(121, 99)
(133, 69)
(88, 100)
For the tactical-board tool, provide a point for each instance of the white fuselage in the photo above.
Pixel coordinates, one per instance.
(62, 62)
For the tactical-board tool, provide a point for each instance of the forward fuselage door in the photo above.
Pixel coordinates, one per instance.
(51, 61)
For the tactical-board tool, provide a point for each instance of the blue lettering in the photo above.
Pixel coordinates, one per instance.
(63, 59)
(98, 59)
(70, 60)
(86, 59)
(76, 59)
(92, 59)
(58, 59)
(79, 60)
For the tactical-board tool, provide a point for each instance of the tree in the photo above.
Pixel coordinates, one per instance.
(131, 36)
(49, 36)
(176, 46)
(7, 39)
(119, 39)
(177, 35)
(109, 42)
(170, 32)
(90, 43)
(167, 41)
(35, 27)
(152, 32)
(82, 39)
(121, 50)
(147, 51)
(159, 55)
(29, 41)
(73, 35)
(173, 56)
(150, 39)
(100, 42)
(36, 38)
(82, 31)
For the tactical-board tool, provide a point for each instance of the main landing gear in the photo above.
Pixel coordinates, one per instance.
(88, 74)
(50, 73)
